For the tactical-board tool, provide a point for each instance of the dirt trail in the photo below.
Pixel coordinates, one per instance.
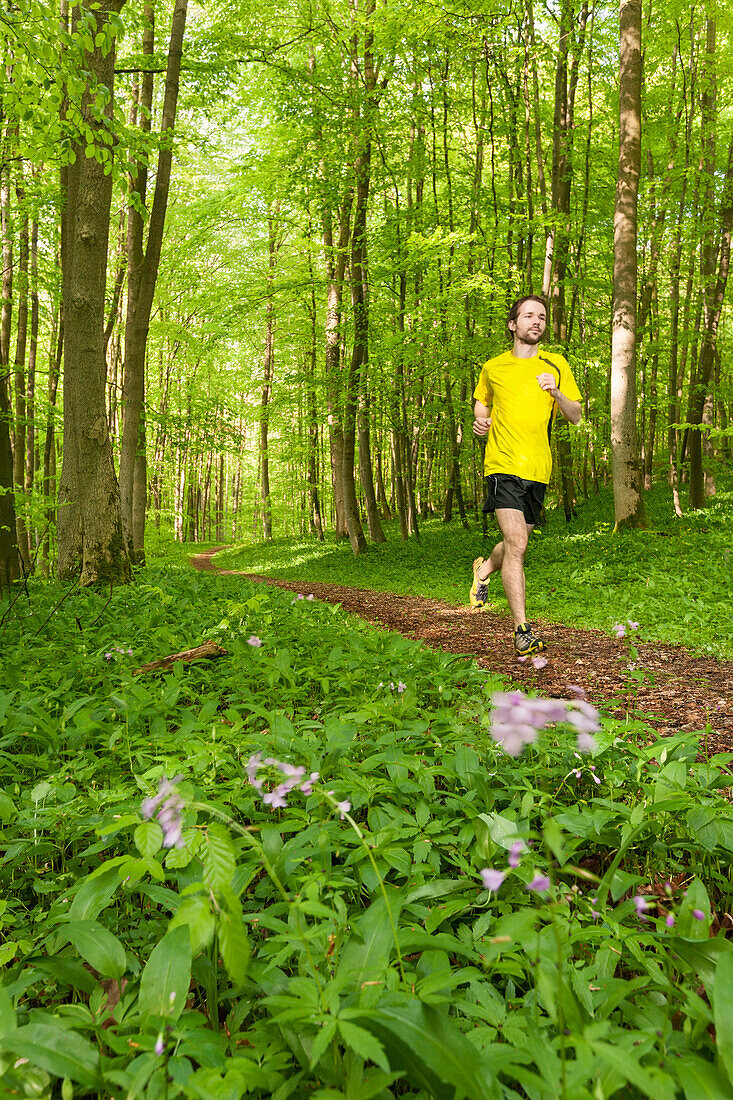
(680, 692)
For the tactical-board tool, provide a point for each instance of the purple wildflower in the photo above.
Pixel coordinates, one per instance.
(577, 690)
(253, 640)
(584, 716)
(587, 742)
(593, 911)
(698, 914)
(310, 596)
(539, 884)
(252, 767)
(492, 879)
(343, 808)
(307, 786)
(515, 852)
(619, 630)
(276, 797)
(539, 662)
(632, 625)
(641, 906)
(168, 805)
(401, 687)
(517, 718)
(669, 920)
(576, 772)
(522, 659)
(159, 1045)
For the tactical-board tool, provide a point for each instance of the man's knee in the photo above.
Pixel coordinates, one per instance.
(515, 532)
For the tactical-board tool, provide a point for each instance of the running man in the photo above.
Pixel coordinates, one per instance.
(516, 401)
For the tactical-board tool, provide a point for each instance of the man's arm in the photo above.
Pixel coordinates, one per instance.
(481, 418)
(571, 410)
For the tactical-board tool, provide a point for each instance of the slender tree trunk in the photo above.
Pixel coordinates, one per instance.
(30, 402)
(315, 518)
(268, 365)
(49, 442)
(91, 542)
(628, 500)
(9, 557)
(142, 279)
(21, 339)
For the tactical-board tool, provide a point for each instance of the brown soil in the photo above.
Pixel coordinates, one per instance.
(679, 692)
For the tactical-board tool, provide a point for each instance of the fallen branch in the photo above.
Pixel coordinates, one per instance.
(206, 651)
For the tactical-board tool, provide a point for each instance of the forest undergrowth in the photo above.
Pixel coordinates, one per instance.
(334, 863)
(674, 576)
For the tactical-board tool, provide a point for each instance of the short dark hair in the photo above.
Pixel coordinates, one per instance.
(514, 311)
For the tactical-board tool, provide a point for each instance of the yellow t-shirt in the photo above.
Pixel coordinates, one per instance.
(522, 414)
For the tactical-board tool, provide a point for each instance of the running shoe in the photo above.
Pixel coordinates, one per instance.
(526, 643)
(479, 593)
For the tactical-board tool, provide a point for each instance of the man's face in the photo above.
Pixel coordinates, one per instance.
(529, 327)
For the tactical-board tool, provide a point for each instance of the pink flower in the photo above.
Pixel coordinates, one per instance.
(539, 884)
(698, 914)
(159, 1045)
(168, 806)
(253, 640)
(276, 797)
(669, 920)
(641, 907)
(619, 630)
(343, 808)
(539, 662)
(514, 853)
(307, 786)
(492, 879)
(577, 690)
(587, 742)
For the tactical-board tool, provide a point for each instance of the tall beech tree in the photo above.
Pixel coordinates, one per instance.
(91, 543)
(628, 500)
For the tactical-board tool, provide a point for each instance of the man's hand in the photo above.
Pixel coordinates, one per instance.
(548, 383)
(481, 425)
(570, 409)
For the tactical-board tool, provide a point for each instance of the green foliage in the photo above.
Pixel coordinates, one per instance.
(342, 945)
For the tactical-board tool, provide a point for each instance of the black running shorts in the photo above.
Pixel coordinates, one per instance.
(509, 491)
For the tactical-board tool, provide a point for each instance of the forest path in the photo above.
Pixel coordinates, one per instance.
(680, 691)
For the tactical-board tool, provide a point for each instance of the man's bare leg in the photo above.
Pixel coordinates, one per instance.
(515, 530)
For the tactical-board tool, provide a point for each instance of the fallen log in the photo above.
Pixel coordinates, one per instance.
(206, 651)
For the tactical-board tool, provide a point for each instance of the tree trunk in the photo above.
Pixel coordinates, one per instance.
(628, 500)
(315, 519)
(142, 278)
(21, 338)
(91, 541)
(268, 366)
(9, 557)
(30, 396)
